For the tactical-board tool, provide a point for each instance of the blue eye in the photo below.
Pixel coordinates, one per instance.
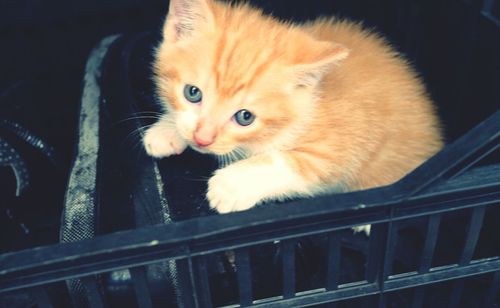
(244, 117)
(192, 94)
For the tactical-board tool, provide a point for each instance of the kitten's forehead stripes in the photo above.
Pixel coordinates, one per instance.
(218, 52)
(231, 77)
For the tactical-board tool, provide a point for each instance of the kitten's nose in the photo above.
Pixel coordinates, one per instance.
(203, 141)
(204, 136)
(205, 133)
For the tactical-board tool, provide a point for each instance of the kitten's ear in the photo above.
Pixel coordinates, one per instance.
(317, 61)
(185, 18)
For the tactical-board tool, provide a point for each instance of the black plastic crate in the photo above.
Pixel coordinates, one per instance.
(443, 185)
(433, 241)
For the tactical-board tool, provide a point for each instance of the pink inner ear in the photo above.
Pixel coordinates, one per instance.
(186, 16)
(182, 16)
(180, 6)
(310, 69)
(183, 8)
(324, 53)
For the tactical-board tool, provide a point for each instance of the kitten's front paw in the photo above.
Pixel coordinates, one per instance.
(226, 193)
(162, 141)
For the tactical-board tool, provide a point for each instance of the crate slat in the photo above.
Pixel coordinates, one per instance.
(244, 274)
(456, 293)
(476, 222)
(141, 288)
(430, 243)
(392, 241)
(376, 251)
(203, 285)
(186, 288)
(333, 266)
(493, 290)
(94, 295)
(288, 252)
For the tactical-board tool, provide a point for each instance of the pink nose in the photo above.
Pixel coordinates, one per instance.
(202, 140)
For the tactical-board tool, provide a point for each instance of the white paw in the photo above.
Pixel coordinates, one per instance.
(227, 193)
(364, 228)
(161, 141)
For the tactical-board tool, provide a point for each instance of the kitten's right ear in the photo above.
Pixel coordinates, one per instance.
(185, 18)
(314, 62)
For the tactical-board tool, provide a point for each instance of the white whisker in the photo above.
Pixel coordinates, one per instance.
(137, 118)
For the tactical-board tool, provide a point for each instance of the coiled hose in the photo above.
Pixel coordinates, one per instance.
(9, 156)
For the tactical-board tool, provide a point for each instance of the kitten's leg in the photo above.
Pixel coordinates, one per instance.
(245, 183)
(162, 139)
(364, 228)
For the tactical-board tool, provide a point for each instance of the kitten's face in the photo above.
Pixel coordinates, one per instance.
(220, 107)
(233, 79)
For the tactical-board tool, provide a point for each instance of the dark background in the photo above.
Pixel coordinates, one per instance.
(44, 45)
(450, 41)
(454, 44)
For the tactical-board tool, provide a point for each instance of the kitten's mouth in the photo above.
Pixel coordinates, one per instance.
(209, 149)
(203, 150)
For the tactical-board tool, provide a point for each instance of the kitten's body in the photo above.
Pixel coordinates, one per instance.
(336, 109)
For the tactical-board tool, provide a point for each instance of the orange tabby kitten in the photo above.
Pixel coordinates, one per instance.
(292, 110)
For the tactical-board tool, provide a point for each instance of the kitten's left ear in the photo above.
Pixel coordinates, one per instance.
(186, 17)
(316, 61)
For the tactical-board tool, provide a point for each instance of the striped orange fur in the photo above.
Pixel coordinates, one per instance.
(336, 107)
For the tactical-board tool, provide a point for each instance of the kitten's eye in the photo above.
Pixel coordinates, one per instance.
(192, 94)
(244, 117)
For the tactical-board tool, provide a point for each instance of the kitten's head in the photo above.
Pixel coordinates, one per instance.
(237, 80)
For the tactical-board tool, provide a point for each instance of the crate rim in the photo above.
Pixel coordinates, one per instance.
(181, 236)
